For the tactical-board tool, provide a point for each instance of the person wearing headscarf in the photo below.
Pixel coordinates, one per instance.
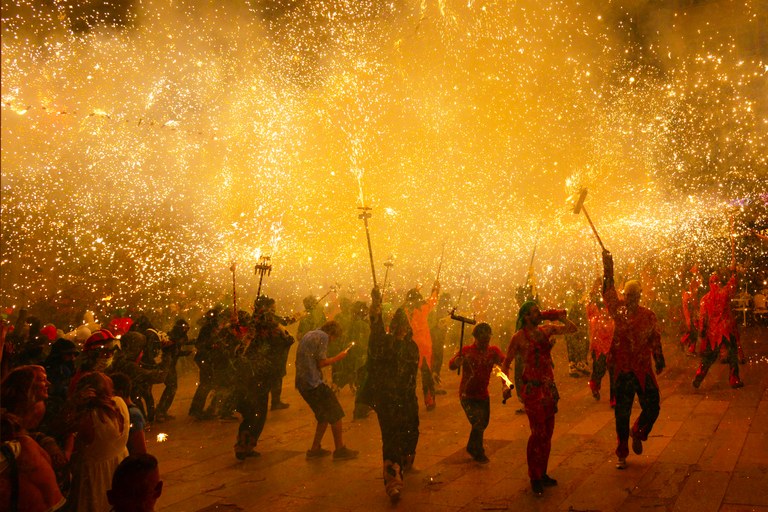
(718, 330)
(636, 342)
(533, 341)
(390, 390)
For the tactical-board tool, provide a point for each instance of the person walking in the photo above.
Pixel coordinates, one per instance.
(533, 342)
(476, 362)
(636, 341)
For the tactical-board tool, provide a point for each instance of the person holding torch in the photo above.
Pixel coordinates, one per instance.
(533, 342)
(636, 339)
(476, 362)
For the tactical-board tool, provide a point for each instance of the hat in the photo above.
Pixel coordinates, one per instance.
(99, 339)
(49, 331)
(413, 295)
(63, 346)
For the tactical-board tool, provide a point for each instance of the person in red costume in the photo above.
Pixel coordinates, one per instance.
(601, 329)
(690, 301)
(534, 342)
(636, 339)
(417, 309)
(477, 361)
(718, 327)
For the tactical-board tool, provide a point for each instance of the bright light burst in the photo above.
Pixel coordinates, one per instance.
(146, 148)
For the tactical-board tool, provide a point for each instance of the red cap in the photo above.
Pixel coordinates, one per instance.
(49, 331)
(99, 339)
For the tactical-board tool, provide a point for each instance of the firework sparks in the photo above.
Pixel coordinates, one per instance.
(143, 151)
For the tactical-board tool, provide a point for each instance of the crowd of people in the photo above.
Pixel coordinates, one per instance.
(75, 405)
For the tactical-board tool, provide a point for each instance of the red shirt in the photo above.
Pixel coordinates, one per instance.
(636, 338)
(600, 329)
(476, 370)
(716, 319)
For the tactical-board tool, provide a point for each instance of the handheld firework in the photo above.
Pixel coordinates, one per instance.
(497, 371)
(234, 292)
(365, 215)
(579, 207)
(264, 266)
(464, 321)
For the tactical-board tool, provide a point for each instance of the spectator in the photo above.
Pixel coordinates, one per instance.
(102, 424)
(136, 484)
(137, 443)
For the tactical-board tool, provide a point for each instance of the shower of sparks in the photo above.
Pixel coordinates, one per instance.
(162, 437)
(146, 147)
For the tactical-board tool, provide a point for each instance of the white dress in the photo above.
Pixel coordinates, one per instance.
(94, 463)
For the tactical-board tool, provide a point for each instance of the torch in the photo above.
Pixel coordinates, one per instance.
(264, 266)
(234, 292)
(389, 264)
(440, 265)
(580, 207)
(365, 215)
(464, 320)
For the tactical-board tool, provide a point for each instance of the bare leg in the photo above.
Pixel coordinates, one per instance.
(319, 433)
(336, 431)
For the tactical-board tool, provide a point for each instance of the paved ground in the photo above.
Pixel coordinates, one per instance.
(707, 452)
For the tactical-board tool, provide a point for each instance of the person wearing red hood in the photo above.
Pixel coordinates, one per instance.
(717, 326)
(636, 339)
(417, 309)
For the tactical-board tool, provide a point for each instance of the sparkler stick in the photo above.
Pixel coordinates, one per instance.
(440, 265)
(234, 292)
(365, 215)
(389, 264)
(507, 381)
(580, 207)
(464, 320)
(332, 289)
(264, 266)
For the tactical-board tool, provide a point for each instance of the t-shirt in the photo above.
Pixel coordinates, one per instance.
(476, 370)
(137, 419)
(312, 348)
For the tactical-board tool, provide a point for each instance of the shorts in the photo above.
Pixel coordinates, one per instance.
(323, 403)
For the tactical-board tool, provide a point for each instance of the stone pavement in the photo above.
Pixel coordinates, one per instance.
(707, 452)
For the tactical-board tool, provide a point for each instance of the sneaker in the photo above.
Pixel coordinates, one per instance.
(394, 495)
(320, 452)
(738, 384)
(637, 444)
(431, 407)
(344, 453)
(548, 481)
(245, 455)
(621, 463)
(696, 382)
(482, 459)
(537, 487)
(280, 405)
(596, 395)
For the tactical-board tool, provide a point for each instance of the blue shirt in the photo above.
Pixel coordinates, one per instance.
(311, 350)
